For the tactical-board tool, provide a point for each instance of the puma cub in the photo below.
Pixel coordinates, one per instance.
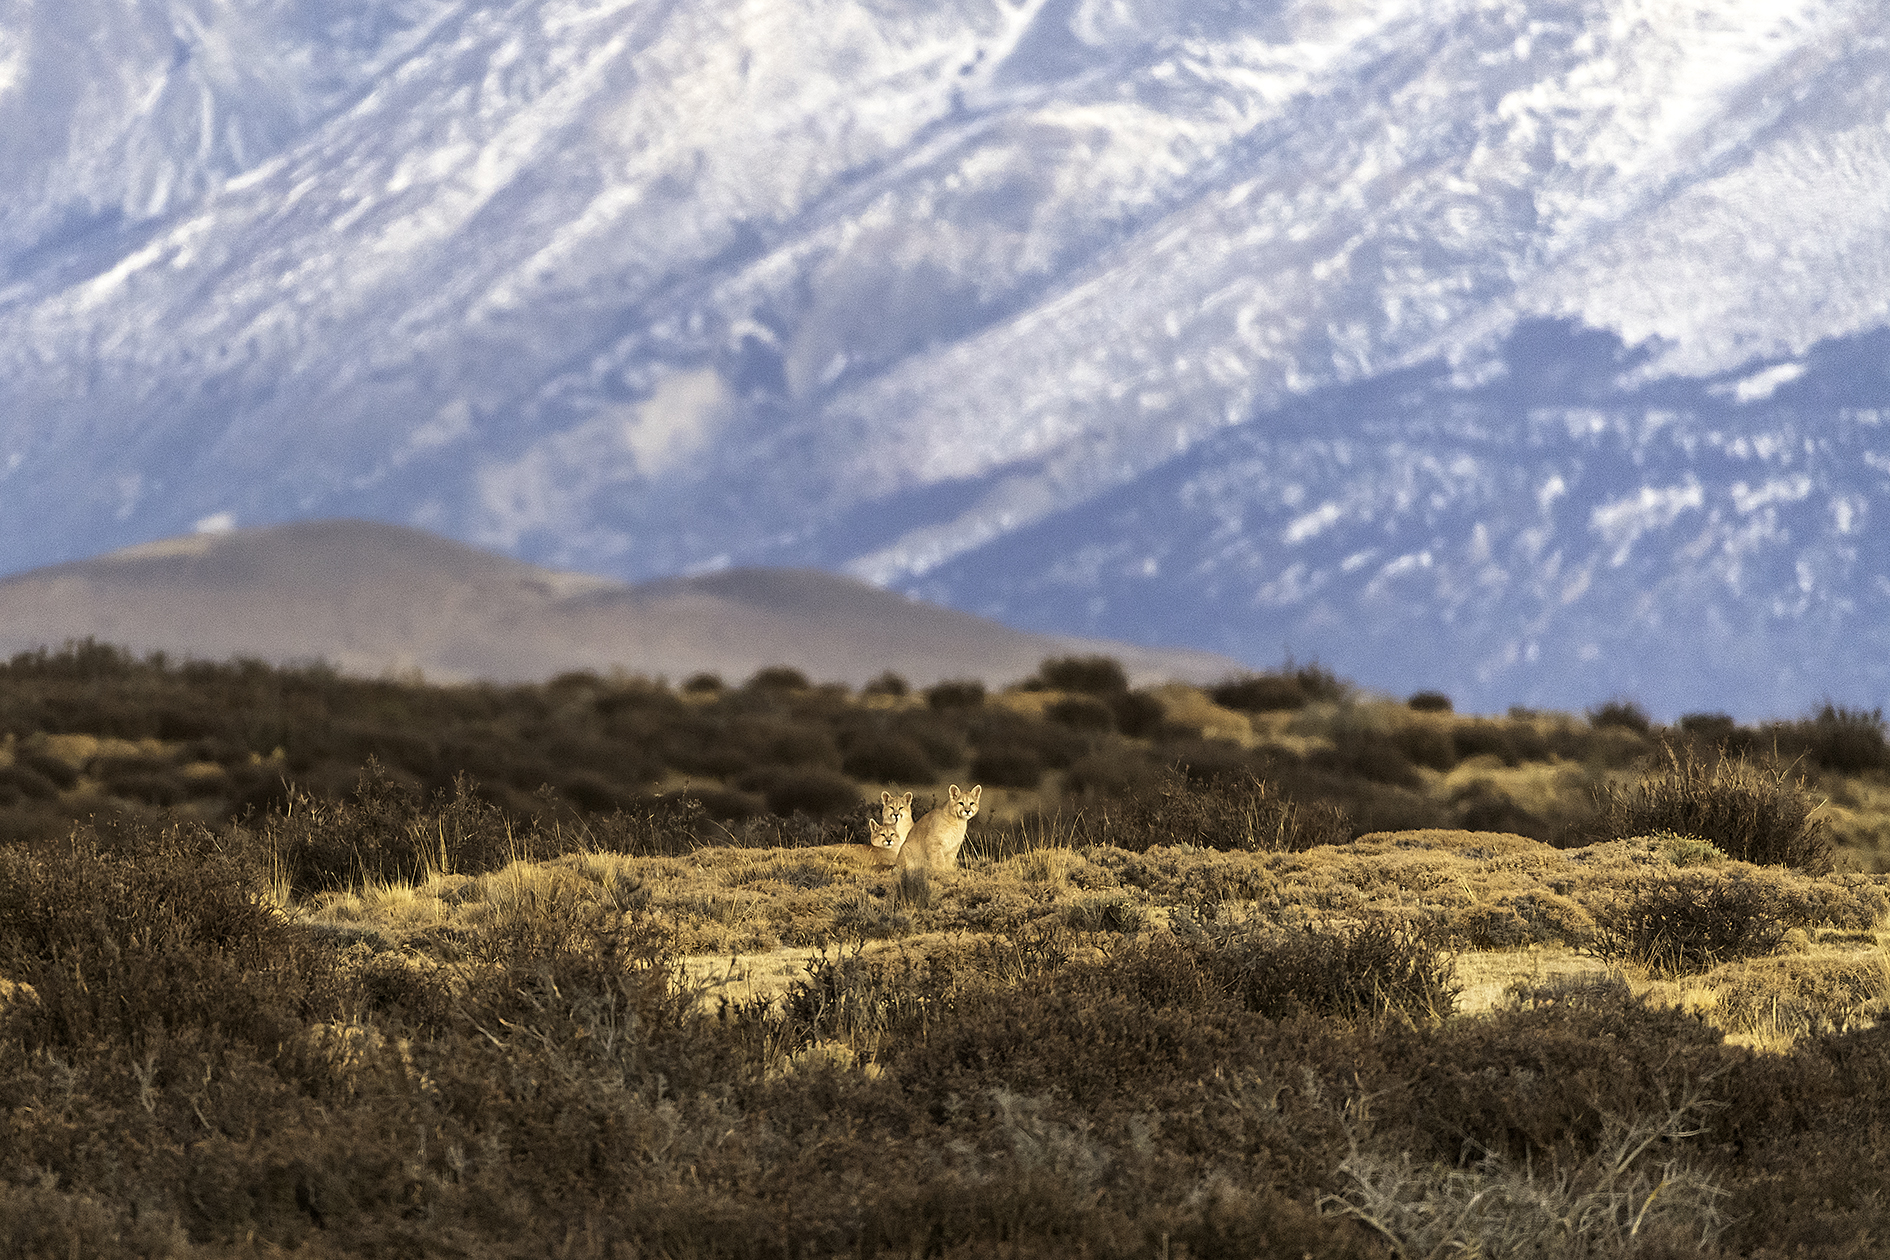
(936, 838)
(896, 811)
(880, 852)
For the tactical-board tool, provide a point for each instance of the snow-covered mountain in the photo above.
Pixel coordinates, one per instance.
(1529, 349)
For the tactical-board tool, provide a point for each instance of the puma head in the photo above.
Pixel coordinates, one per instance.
(893, 808)
(964, 804)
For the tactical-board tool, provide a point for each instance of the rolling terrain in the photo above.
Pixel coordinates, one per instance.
(373, 599)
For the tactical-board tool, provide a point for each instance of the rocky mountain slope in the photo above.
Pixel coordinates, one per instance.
(932, 294)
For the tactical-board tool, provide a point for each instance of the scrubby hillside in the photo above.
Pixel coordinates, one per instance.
(1231, 972)
(90, 730)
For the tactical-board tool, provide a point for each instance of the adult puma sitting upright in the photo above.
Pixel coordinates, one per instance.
(936, 838)
(896, 811)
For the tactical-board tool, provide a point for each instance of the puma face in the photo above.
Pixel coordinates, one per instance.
(884, 835)
(964, 806)
(896, 811)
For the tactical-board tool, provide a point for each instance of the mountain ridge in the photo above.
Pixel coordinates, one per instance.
(885, 288)
(373, 599)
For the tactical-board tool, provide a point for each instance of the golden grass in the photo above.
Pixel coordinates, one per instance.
(1190, 707)
(1768, 1003)
(1520, 915)
(1858, 815)
(76, 750)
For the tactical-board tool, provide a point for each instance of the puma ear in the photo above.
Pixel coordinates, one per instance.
(953, 791)
(975, 794)
(906, 800)
(885, 798)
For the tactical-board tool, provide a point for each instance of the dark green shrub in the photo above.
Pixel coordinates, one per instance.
(1426, 745)
(1483, 738)
(634, 697)
(1056, 746)
(799, 743)
(958, 693)
(1008, 766)
(1138, 714)
(576, 680)
(55, 770)
(1369, 806)
(888, 758)
(669, 822)
(610, 759)
(1204, 760)
(1112, 773)
(1368, 969)
(1754, 813)
(1081, 713)
(107, 769)
(886, 684)
(1260, 693)
(1626, 714)
(726, 804)
(23, 783)
(1694, 920)
(1549, 1083)
(704, 685)
(1370, 755)
(942, 743)
(129, 931)
(1240, 811)
(777, 679)
(594, 793)
(1319, 683)
(222, 752)
(388, 830)
(727, 745)
(1847, 741)
(1714, 728)
(814, 792)
(1086, 675)
(1291, 687)
(1486, 807)
(1429, 702)
(160, 787)
(702, 742)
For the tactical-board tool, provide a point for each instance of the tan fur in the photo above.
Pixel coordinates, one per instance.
(897, 810)
(936, 838)
(881, 852)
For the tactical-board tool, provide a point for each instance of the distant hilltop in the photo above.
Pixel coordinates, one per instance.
(374, 599)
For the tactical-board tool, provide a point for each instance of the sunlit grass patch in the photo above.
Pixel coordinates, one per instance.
(1547, 789)
(1493, 979)
(1047, 868)
(1858, 818)
(1191, 707)
(1768, 1003)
